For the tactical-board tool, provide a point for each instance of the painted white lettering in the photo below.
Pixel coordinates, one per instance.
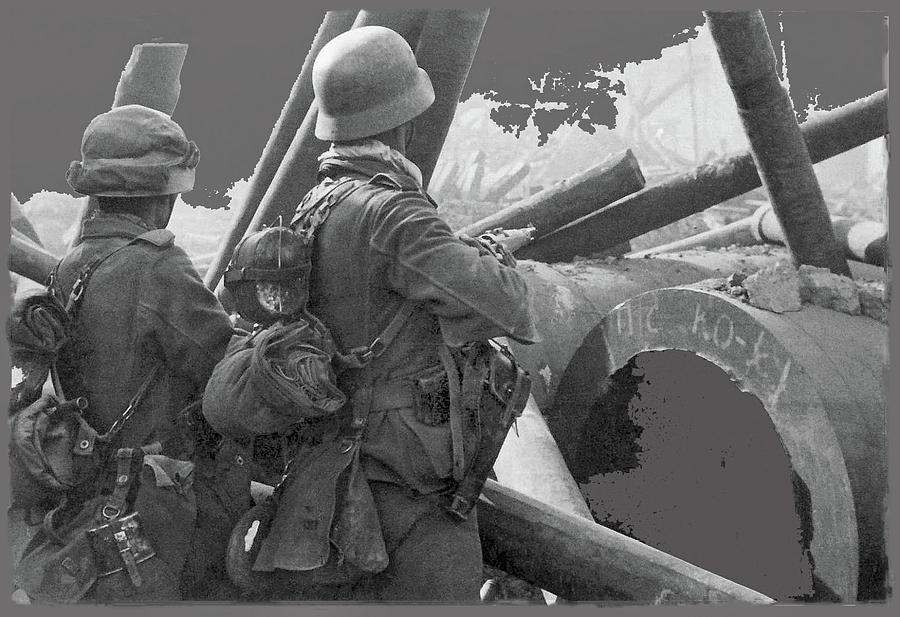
(718, 330)
(700, 321)
(624, 313)
(782, 384)
(652, 329)
(758, 354)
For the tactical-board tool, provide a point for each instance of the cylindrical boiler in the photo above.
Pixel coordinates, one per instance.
(747, 442)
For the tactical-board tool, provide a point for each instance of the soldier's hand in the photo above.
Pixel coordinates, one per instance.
(474, 243)
(487, 244)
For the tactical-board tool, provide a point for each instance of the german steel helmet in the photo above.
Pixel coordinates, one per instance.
(269, 275)
(134, 151)
(366, 81)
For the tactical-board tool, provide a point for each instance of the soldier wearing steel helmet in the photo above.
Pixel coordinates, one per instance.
(382, 244)
(145, 304)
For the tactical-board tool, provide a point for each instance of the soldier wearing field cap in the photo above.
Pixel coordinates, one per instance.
(145, 305)
(382, 244)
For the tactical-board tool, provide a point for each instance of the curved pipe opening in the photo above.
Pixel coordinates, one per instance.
(676, 455)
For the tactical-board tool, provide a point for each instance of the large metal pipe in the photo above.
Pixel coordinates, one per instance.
(581, 560)
(530, 462)
(590, 562)
(570, 300)
(152, 77)
(826, 135)
(505, 180)
(297, 173)
(570, 199)
(20, 222)
(864, 241)
(780, 154)
(292, 114)
(446, 49)
(791, 414)
(861, 240)
(28, 259)
(573, 387)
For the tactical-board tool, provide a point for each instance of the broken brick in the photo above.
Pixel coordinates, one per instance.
(824, 288)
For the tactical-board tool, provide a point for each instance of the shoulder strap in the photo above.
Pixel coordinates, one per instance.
(87, 271)
(307, 207)
(74, 303)
(357, 357)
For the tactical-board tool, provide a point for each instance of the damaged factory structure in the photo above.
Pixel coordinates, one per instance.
(707, 420)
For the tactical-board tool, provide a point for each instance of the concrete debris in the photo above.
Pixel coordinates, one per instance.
(871, 300)
(824, 288)
(775, 288)
(752, 249)
(736, 279)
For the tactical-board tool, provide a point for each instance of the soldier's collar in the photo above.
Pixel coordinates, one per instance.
(372, 150)
(114, 225)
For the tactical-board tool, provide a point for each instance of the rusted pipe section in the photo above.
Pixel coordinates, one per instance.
(152, 77)
(505, 180)
(864, 241)
(590, 562)
(861, 240)
(292, 114)
(569, 199)
(749, 259)
(578, 559)
(19, 222)
(779, 152)
(446, 49)
(791, 412)
(28, 259)
(530, 462)
(569, 300)
(826, 135)
(296, 174)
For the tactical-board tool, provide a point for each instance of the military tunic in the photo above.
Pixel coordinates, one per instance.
(144, 304)
(383, 244)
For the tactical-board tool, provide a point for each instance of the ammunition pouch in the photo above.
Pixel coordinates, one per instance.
(319, 528)
(432, 397)
(52, 450)
(125, 545)
(487, 391)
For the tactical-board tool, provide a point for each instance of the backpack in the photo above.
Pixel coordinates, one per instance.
(52, 449)
(278, 376)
